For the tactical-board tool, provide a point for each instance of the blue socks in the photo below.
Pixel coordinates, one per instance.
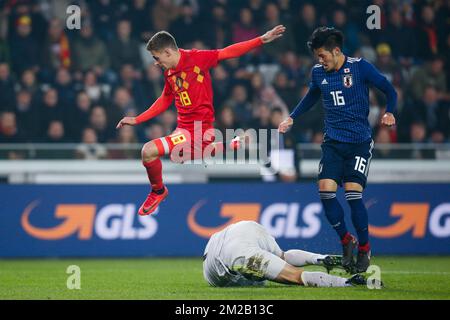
(360, 218)
(333, 212)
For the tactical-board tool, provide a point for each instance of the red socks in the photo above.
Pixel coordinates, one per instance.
(154, 173)
(347, 238)
(364, 248)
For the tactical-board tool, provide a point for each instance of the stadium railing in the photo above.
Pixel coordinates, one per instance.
(120, 163)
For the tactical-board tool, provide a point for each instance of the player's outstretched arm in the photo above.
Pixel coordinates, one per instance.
(130, 121)
(273, 34)
(372, 75)
(303, 106)
(161, 104)
(240, 48)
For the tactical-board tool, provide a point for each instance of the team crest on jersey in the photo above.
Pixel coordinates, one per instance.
(348, 80)
(179, 82)
(347, 70)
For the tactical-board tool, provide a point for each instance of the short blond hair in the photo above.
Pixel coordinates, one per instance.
(160, 41)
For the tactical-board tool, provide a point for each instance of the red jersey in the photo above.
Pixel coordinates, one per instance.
(190, 83)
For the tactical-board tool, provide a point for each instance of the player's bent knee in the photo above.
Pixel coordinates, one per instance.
(327, 185)
(243, 266)
(261, 265)
(252, 267)
(353, 186)
(149, 152)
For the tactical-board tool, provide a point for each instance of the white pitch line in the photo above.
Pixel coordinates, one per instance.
(416, 272)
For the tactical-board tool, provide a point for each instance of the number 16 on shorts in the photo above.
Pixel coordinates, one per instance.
(361, 165)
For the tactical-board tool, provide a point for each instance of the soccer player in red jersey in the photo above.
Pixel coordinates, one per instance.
(187, 80)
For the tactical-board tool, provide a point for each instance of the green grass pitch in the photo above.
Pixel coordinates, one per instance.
(181, 278)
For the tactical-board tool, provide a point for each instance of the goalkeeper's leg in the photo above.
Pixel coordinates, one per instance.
(293, 275)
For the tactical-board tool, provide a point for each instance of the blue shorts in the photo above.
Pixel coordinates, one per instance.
(345, 162)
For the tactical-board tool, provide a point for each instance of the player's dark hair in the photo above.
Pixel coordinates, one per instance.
(160, 41)
(328, 38)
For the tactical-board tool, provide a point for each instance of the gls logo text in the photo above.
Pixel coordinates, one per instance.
(280, 219)
(284, 219)
(413, 217)
(111, 222)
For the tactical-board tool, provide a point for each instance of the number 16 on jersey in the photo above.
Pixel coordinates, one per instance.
(338, 98)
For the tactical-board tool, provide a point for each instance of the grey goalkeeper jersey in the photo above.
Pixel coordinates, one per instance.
(215, 271)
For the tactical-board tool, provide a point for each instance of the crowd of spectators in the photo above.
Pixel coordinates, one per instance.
(61, 85)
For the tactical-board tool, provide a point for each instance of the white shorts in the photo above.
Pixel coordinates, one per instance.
(249, 252)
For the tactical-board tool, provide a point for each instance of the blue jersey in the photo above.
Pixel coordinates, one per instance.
(345, 95)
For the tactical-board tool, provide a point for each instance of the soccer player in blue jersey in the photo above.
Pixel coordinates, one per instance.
(343, 82)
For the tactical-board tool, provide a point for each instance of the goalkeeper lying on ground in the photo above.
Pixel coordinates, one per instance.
(245, 254)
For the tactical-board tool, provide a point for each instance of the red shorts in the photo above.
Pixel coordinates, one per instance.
(188, 144)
